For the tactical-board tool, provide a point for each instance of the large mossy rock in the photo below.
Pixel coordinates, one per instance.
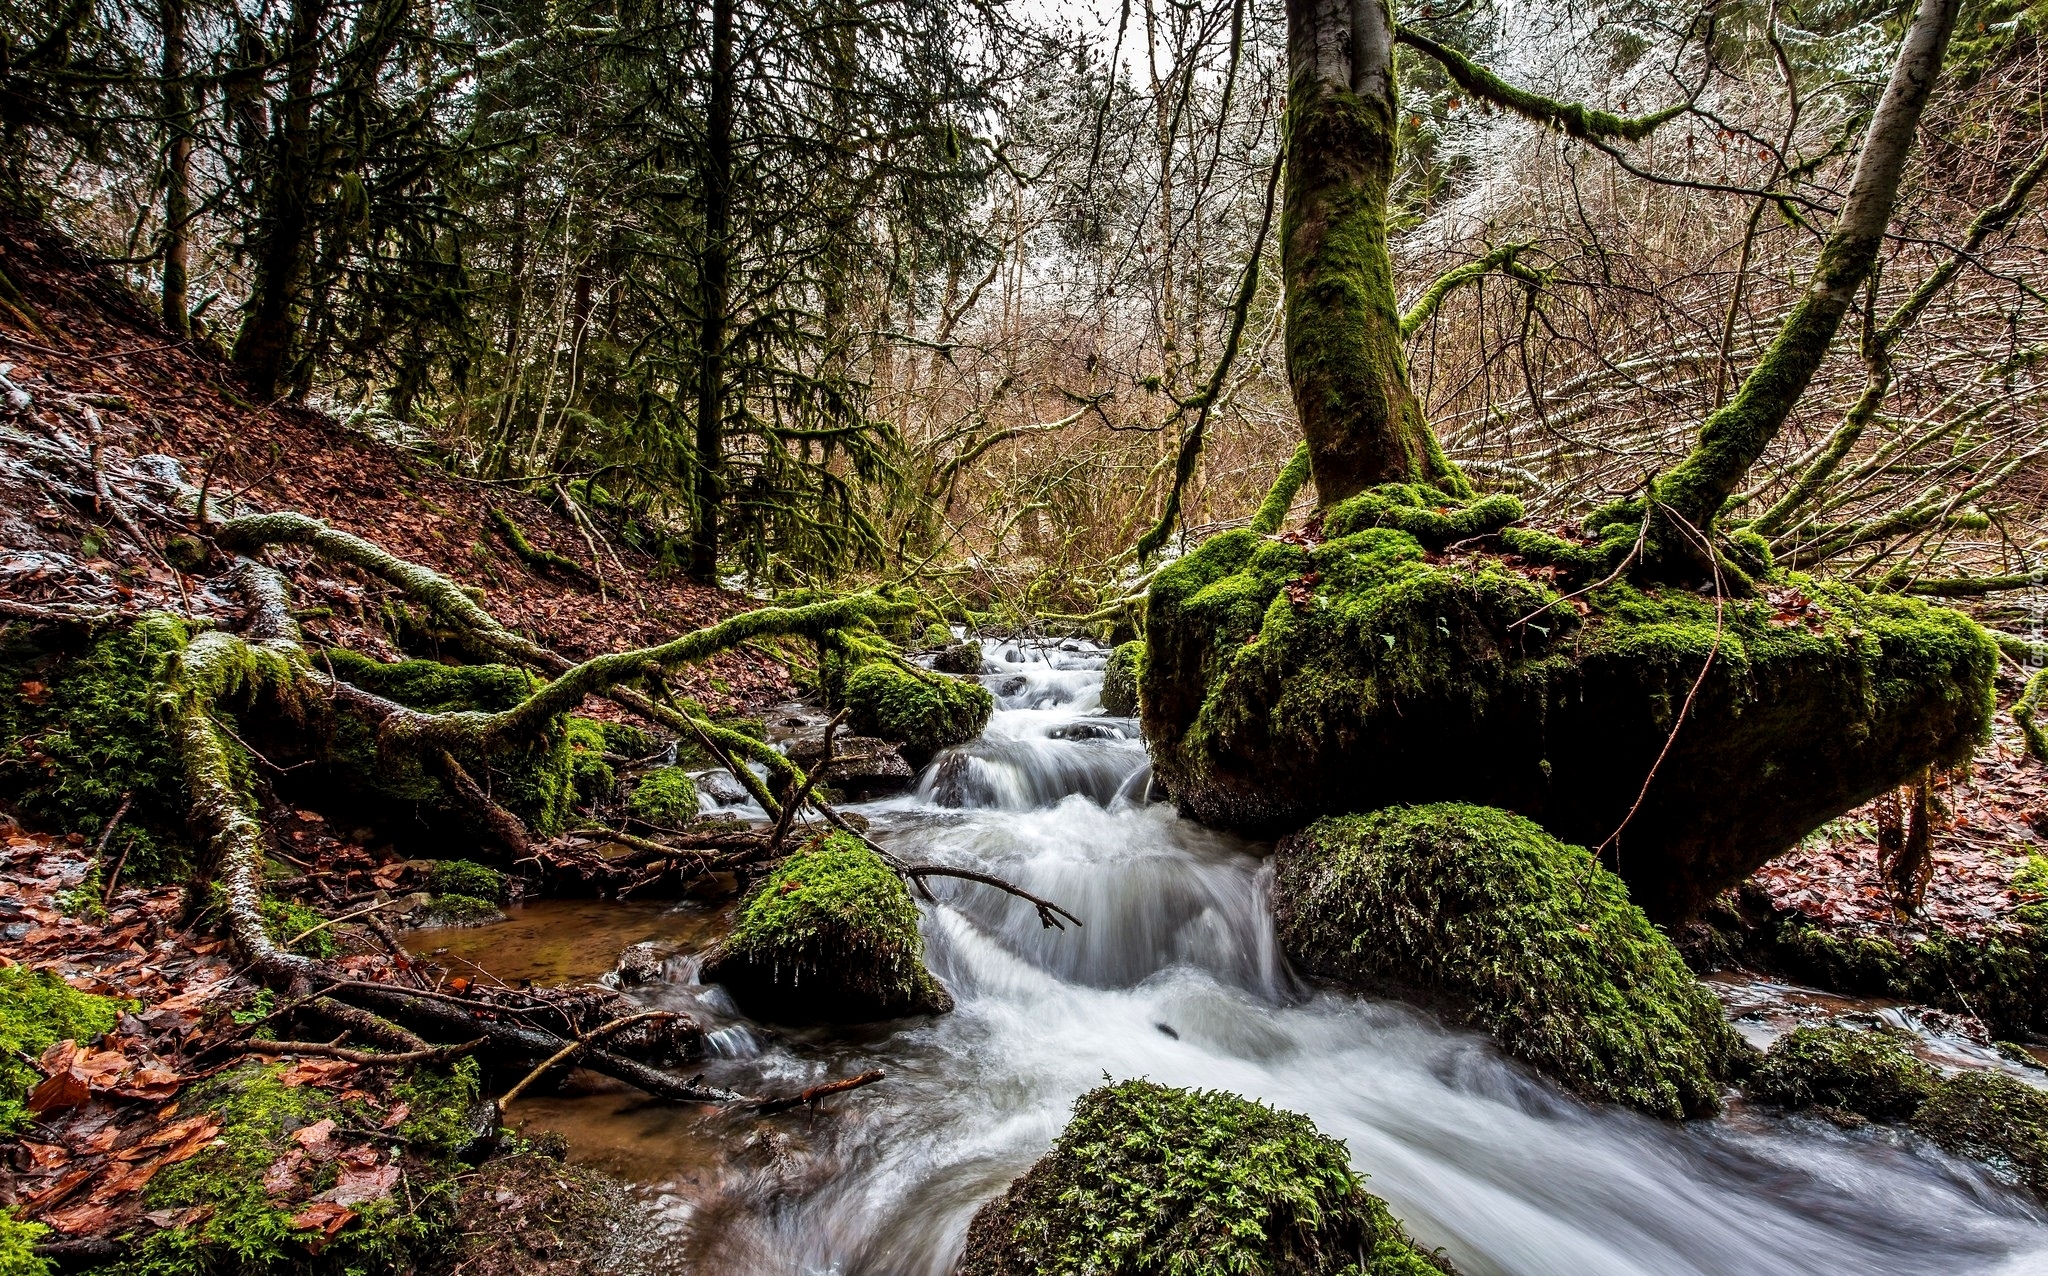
(1284, 681)
(923, 712)
(1514, 932)
(829, 937)
(1147, 1180)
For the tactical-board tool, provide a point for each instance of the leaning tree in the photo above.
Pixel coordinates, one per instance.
(1654, 688)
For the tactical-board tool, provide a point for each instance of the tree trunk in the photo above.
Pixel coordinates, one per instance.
(1736, 435)
(177, 305)
(1363, 422)
(265, 346)
(715, 283)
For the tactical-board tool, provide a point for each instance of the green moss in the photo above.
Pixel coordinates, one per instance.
(1432, 518)
(463, 877)
(830, 935)
(590, 775)
(539, 782)
(1518, 934)
(1284, 681)
(1148, 1180)
(1991, 1117)
(665, 796)
(463, 910)
(936, 636)
(1345, 355)
(1863, 1074)
(79, 729)
(1120, 679)
(247, 1233)
(18, 1246)
(38, 1010)
(923, 712)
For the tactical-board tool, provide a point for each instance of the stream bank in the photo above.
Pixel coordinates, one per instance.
(1177, 977)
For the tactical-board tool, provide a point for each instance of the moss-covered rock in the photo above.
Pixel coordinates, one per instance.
(665, 796)
(460, 910)
(466, 877)
(1120, 680)
(242, 1208)
(923, 712)
(959, 657)
(1284, 681)
(1842, 1071)
(1516, 933)
(830, 936)
(591, 777)
(38, 1010)
(79, 730)
(1147, 1180)
(1991, 1117)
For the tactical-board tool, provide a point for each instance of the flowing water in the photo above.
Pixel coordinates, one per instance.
(1176, 977)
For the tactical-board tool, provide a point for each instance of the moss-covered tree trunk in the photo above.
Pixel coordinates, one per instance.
(1735, 437)
(1344, 350)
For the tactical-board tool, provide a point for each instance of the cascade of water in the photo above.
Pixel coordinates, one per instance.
(1177, 976)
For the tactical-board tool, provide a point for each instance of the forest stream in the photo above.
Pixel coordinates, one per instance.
(1176, 976)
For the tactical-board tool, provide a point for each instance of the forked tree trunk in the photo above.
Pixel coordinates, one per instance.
(1344, 349)
(1735, 436)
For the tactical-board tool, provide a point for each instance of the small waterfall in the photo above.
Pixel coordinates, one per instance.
(1176, 976)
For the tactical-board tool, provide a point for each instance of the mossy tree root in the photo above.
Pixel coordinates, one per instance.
(545, 560)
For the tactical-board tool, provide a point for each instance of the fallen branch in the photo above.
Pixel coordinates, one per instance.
(368, 1058)
(768, 1107)
(595, 1034)
(1049, 913)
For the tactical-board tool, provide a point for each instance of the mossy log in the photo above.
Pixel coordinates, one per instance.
(1513, 932)
(1286, 681)
(830, 936)
(1148, 1180)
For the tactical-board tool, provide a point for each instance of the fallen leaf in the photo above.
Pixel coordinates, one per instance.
(314, 1071)
(314, 1137)
(327, 1216)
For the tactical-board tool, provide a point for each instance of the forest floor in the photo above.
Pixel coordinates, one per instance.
(96, 366)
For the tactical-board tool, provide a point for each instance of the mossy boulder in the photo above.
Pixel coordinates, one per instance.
(1148, 1180)
(466, 877)
(959, 657)
(1843, 1072)
(38, 1010)
(923, 712)
(665, 797)
(829, 937)
(1991, 1117)
(1120, 680)
(1513, 932)
(1284, 681)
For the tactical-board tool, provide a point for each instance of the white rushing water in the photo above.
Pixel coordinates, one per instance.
(1176, 976)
